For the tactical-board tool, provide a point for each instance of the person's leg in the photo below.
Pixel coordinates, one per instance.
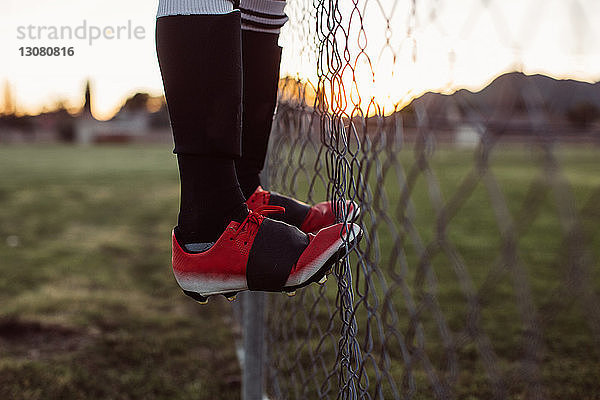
(261, 22)
(198, 47)
(218, 247)
(261, 55)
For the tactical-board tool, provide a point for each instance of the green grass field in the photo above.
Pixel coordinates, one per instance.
(89, 308)
(568, 357)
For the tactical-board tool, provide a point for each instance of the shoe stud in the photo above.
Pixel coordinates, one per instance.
(197, 296)
(323, 280)
(231, 296)
(291, 294)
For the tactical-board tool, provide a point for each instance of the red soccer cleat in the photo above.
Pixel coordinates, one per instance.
(301, 215)
(261, 254)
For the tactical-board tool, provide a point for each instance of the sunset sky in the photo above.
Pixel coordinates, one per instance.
(441, 45)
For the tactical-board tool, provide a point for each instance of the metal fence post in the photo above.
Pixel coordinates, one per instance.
(253, 334)
(253, 374)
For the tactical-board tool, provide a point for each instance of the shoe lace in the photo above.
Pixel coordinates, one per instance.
(254, 219)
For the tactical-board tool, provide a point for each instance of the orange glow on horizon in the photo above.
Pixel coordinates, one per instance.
(404, 54)
(291, 88)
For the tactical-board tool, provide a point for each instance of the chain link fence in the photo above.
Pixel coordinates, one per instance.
(478, 273)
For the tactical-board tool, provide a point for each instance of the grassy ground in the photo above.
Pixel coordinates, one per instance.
(89, 308)
(567, 355)
(88, 304)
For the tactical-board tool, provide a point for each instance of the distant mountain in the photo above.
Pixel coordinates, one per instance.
(512, 95)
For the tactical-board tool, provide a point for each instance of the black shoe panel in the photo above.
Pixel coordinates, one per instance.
(276, 248)
(295, 211)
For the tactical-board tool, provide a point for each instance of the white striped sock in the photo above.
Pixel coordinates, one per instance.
(193, 7)
(263, 15)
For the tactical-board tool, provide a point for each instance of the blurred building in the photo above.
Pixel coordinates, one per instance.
(135, 121)
(142, 118)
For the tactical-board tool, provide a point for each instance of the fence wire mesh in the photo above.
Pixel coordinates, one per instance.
(477, 275)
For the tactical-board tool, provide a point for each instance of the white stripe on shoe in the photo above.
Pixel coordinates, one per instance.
(311, 269)
(207, 285)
